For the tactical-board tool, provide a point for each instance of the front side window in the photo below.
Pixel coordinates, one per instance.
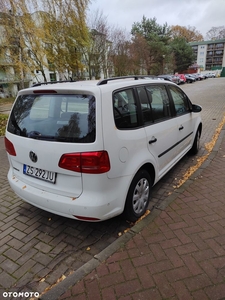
(180, 100)
(155, 104)
(159, 103)
(125, 109)
(64, 118)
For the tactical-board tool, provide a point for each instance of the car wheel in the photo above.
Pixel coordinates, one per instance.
(196, 145)
(138, 196)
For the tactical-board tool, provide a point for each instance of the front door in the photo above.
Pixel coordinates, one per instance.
(160, 127)
(184, 118)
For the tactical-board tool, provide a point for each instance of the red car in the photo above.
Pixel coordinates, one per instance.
(182, 78)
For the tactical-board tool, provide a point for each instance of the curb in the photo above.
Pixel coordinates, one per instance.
(88, 267)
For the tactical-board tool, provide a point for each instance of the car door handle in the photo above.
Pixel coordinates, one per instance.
(181, 127)
(153, 140)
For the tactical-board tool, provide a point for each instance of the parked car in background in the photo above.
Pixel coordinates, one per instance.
(171, 78)
(176, 79)
(182, 78)
(203, 75)
(195, 76)
(151, 77)
(166, 77)
(91, 150)
(211, 75)
(198, 76)
(190, 78)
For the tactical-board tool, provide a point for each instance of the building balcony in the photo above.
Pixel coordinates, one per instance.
(214, 61)
(9, 80)
(4, 62)
(215, 47)
(14, 80)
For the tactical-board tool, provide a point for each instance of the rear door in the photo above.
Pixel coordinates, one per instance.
(160, 127)
(44, 127)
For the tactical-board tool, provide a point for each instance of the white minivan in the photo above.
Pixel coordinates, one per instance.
(91, 150)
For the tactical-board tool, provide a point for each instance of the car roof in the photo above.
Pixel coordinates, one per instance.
(92, 85)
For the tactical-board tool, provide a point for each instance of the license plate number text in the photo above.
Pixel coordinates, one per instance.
(39, 173)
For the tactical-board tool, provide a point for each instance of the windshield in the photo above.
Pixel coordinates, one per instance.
(66, 118)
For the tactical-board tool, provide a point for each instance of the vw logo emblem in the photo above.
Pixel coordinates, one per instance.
(33, 156)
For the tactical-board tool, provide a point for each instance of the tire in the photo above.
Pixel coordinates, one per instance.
(196, 145)
(138, 196)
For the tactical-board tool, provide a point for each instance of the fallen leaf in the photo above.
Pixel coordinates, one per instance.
(142, 217)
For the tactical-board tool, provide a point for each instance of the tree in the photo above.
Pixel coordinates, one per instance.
(66, 35)
(120, 56)
(149, 29)
(34, 52)
(157, 38)
(139, 52)
(216, 33)
(190, 34)
(14, 42)
(45, 39)
(182, 53)
(97, 53)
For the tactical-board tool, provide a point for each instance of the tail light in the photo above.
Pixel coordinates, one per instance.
(9, 147)
(86, 162)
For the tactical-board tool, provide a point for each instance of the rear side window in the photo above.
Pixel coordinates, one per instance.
(125, 109)
(65, 118)
(180, 100)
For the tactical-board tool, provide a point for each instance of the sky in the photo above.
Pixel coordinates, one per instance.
(201, 14)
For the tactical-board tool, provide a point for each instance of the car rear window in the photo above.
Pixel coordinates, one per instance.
(65, 118)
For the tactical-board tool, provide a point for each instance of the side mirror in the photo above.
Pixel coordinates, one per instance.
(196, 108)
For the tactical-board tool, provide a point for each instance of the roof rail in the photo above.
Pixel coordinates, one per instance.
(51, 82)
(135, 77)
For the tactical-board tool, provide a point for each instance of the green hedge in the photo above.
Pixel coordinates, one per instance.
(3, 122)
(222, 73)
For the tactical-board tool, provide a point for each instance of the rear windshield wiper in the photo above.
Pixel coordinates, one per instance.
(39, 136)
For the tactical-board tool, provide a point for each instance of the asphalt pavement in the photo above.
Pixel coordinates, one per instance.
(59, 258)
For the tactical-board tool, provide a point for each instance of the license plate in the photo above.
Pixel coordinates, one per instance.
(39, 173)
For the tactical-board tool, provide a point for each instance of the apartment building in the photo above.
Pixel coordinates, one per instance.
(210, 55)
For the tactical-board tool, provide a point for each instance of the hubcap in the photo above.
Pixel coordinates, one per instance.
(140, 196)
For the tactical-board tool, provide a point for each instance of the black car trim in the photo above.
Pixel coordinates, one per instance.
(163, 153)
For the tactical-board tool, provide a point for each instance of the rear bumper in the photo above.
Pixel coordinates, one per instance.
(93, 206)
